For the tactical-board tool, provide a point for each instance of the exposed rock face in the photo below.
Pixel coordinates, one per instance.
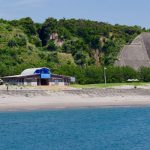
(55, 38)
(137, 54)
(96, 55)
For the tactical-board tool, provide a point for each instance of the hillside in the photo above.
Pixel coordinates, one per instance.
(59, 44)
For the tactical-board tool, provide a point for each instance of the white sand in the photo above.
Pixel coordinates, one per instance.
(60, 100)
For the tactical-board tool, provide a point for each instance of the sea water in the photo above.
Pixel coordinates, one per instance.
(78, 129)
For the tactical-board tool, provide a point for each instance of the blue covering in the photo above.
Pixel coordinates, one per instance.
(44, 73)
(45, 76)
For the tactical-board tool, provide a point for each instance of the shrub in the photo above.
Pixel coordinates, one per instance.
(12, 43)
(145, 74)
(51, 46)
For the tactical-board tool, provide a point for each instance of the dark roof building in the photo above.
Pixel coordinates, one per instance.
(37, 76)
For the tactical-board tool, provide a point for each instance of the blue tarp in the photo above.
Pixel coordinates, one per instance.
(45, 76)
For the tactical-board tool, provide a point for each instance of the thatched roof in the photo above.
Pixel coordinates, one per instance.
(137, 54)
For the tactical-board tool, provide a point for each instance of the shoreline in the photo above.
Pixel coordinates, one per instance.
(25, 109)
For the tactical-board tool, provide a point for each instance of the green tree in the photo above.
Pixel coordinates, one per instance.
(49, 26)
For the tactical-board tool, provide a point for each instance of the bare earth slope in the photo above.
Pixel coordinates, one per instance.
(137, 54)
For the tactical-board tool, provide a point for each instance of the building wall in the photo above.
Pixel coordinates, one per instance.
(56, 83)
(30, 83)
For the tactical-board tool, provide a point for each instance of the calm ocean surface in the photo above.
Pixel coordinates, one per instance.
(80, 129)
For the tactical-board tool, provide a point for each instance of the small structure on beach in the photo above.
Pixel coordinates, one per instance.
(37, 77)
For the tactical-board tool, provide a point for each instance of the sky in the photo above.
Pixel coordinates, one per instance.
(124, 12)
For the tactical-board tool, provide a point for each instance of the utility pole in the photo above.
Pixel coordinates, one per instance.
(105, 77)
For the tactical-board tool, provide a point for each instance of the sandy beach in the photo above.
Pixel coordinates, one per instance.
(18, 98)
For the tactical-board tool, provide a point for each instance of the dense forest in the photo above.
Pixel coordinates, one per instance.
(72, 47)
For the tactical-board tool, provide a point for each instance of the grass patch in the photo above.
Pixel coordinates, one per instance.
(108, 85)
